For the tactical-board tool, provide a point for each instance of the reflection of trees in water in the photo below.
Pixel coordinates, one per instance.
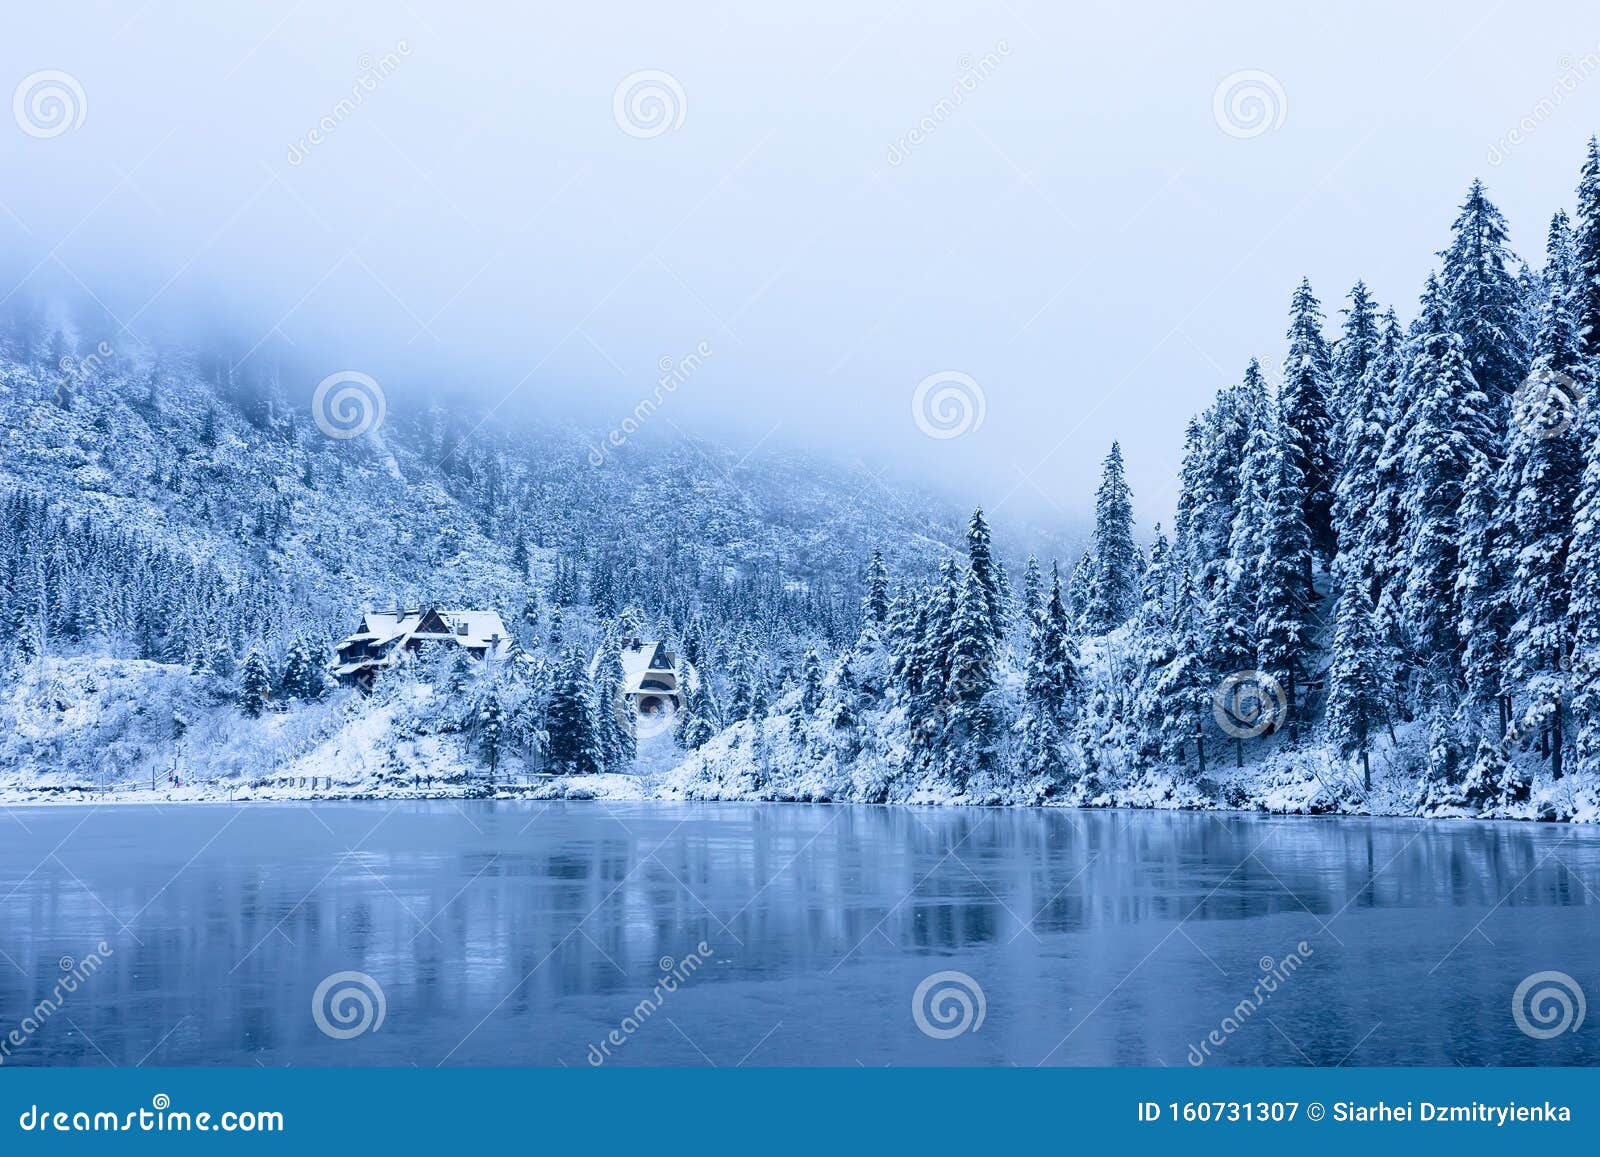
(582, 901)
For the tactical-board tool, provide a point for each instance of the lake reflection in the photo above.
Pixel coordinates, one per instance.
(525, 933)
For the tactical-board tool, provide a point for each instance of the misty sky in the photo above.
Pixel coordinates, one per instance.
(1083, 233)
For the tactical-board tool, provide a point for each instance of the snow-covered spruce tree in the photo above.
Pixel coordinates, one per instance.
(1583, 606)
(1150, 645)
(810, 683)
(1586, 256)
(1282, 631)
(1364, 497)
(491, 730)
(971, 732)
(1212, 473)
(1184, 686)
(1482, 300)
(875, 605)
(1114, 595)
(1080, 585)
(1050, 694)
(1358, 347)
(1307, 424)
(255, 684)
(1448, 426)
(1032, 594)
(614, 717)
(1484, 562)
(1361, 681)
(573, 747)
(1541, 475)
(982, 567)
(1229, 623)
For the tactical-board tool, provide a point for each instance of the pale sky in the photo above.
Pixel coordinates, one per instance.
(1085, 232)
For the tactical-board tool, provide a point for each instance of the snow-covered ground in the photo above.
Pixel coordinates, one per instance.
(105, 731)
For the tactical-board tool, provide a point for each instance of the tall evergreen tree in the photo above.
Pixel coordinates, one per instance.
(573, 747)
(982, 567)
(1586, 256)
(875, 606)
(1114, 595)
(1360, 683)
(1304, 415)
(1482, 299)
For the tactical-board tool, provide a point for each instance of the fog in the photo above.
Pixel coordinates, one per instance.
(820, 206)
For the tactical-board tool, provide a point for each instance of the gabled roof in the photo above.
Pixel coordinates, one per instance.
(640, 661)
(468, 628)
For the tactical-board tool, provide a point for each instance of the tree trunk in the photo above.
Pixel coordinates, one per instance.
(1366, 771)
(1200, 749)
(1556, 745)
(1238, 752)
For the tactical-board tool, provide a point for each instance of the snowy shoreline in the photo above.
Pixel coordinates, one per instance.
(656, 789)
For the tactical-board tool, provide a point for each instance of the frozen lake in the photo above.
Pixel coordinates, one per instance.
(525, 933)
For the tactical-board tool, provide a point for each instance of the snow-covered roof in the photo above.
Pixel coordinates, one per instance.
(639, 660)
(468, 628)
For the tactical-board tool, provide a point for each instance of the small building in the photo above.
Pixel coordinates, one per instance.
(385, 636)
(651, 680)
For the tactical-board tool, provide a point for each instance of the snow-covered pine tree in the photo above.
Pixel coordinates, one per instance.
(810, 683)
(1364, 500)
(1353, 357)
(1305, 418)
(255, 684)
(970, 736)
(982, 568)
(573, 748)
(1282, 631)
(1050, 692)
(1360, 681)
(1114, 595)
(1032, 594)
(1184, 686)
(1586, 256)
(875, 605)
(1482, 301)
(1448, 425)
(615, 720)
(1484, 562)
(1541, 476)
(1583, 606)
